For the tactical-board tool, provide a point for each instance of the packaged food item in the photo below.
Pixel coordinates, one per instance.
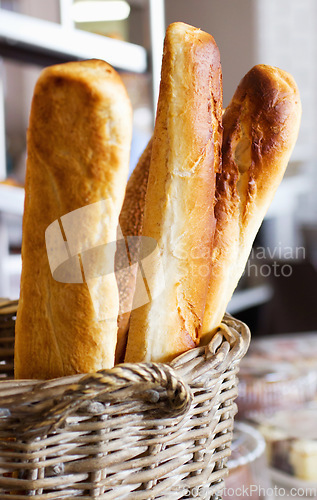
(277, 374)
(300, 349)
(291, 442)
(265, 388)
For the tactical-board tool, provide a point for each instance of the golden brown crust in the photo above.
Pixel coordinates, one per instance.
(130, 220)
(261, 126)
(180, 196)
(78, 154)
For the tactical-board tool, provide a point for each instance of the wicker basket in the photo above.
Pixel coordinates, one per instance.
(137, 431)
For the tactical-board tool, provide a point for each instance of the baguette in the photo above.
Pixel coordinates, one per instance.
(260, 125)
(179, 204)
(130, 220)
(78, 157)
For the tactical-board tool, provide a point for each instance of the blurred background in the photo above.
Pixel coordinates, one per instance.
(277, 294)
(278, 290)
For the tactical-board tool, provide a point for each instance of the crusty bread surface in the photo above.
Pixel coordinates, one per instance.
(260, 128)
(130, 222)
(179, 205)
(78, 156)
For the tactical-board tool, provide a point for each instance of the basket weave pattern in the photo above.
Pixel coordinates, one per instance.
(135, 432)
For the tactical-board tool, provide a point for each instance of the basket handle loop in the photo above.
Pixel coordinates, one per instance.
(154, 383)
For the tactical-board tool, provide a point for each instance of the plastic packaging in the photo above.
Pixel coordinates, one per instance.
(278, 372)
(291, 442)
